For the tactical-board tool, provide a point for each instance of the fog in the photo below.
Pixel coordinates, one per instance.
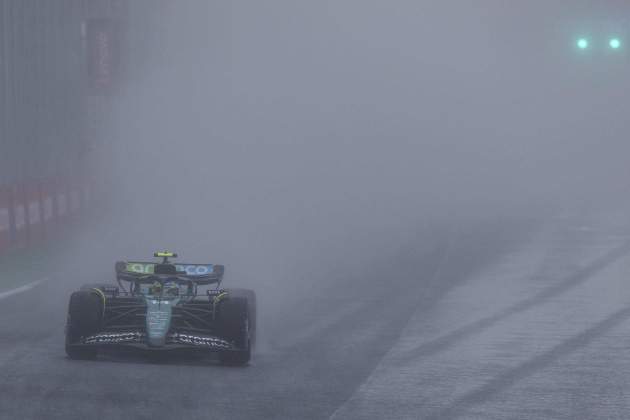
(287, 134)
(428, 197)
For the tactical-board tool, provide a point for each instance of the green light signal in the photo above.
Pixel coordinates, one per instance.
(615, 43)
(582, 43)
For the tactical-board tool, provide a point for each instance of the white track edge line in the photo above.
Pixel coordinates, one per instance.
(21, 289)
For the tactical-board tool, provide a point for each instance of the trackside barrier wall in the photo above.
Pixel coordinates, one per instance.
(33, 210)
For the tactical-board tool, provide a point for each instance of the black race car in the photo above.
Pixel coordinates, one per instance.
(161, 306)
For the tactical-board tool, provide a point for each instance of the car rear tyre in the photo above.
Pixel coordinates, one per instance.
(234, 327)
(85, 312)
(250, 295)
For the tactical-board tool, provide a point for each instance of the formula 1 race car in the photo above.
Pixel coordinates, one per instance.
(160, 306)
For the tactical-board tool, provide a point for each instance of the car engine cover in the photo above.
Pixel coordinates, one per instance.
(159, 314)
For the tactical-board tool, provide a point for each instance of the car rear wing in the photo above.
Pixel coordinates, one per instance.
(197, 273)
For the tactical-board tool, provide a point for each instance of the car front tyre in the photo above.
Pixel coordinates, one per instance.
(85, 312)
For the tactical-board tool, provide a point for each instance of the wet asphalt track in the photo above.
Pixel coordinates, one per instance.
(486, 323)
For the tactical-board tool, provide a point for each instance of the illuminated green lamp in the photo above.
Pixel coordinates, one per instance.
(582, 43)
(614, 43)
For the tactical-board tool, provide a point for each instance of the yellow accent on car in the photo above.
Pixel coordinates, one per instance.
(102, 295)
(218, 297)
(164, 254)
(215, 301)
